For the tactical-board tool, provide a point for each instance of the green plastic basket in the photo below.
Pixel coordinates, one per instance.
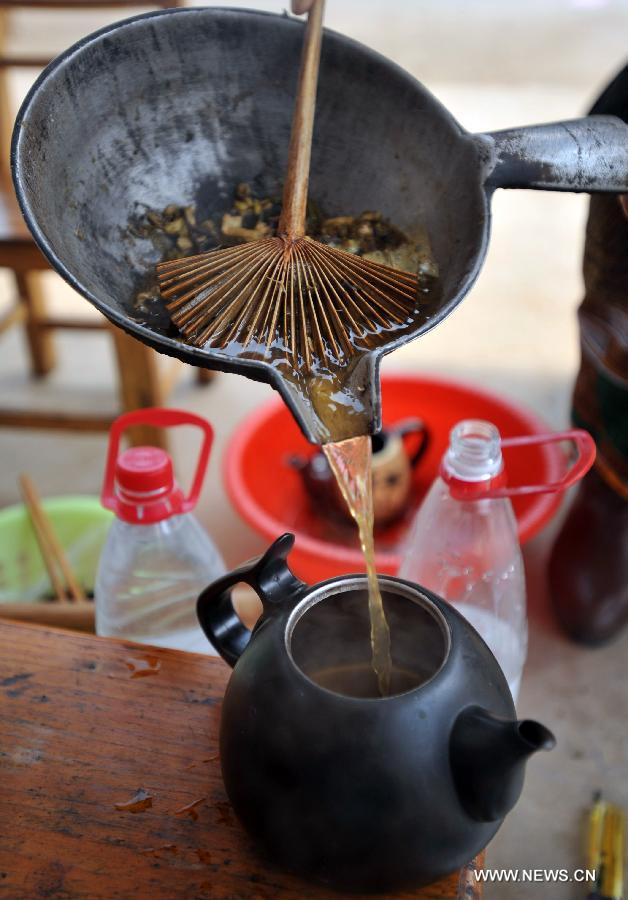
(81, 525)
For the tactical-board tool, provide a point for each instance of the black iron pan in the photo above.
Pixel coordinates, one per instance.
(179, 106)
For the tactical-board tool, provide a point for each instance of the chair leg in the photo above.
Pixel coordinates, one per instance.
(7, 114)
(40, 340)
(139, 385)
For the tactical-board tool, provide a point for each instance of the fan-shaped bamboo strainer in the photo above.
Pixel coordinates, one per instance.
(290, 296)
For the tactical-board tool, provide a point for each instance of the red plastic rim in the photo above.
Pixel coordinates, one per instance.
(270, 432)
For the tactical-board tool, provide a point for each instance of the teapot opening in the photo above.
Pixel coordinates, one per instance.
(328, 638)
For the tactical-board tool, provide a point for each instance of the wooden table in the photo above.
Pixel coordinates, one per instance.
(86, 724)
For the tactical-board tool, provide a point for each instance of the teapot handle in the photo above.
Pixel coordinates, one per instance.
(270, 577)
(417, 429)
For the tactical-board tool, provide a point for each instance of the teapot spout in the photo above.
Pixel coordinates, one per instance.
(488, 756)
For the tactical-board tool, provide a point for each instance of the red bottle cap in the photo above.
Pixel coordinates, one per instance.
(139, 483)
(145, 487)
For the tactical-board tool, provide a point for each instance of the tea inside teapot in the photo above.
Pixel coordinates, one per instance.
(330, 643)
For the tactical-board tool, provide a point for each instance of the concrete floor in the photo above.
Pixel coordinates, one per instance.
(494, 64)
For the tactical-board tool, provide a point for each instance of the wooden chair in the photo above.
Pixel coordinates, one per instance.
(140, 383)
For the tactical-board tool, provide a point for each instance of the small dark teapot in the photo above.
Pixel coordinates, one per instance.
(396, 451)
(338, 784)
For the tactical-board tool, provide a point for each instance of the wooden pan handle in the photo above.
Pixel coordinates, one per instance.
(294, 204)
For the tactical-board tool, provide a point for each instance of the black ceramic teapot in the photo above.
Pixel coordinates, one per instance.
(338, 784)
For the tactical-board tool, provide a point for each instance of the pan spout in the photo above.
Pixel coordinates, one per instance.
(344, 403)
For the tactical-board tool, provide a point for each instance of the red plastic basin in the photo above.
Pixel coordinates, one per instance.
(270, 496)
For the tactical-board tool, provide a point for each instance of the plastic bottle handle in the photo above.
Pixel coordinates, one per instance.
(160, 418)
(585, 446)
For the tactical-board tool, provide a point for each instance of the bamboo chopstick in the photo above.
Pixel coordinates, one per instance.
(42, 543)
(51, 550)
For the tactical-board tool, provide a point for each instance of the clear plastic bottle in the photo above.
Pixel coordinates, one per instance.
(157, 559)
(467, 550)
(149, 578)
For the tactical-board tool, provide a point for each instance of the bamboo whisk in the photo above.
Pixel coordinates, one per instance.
(311, 302)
